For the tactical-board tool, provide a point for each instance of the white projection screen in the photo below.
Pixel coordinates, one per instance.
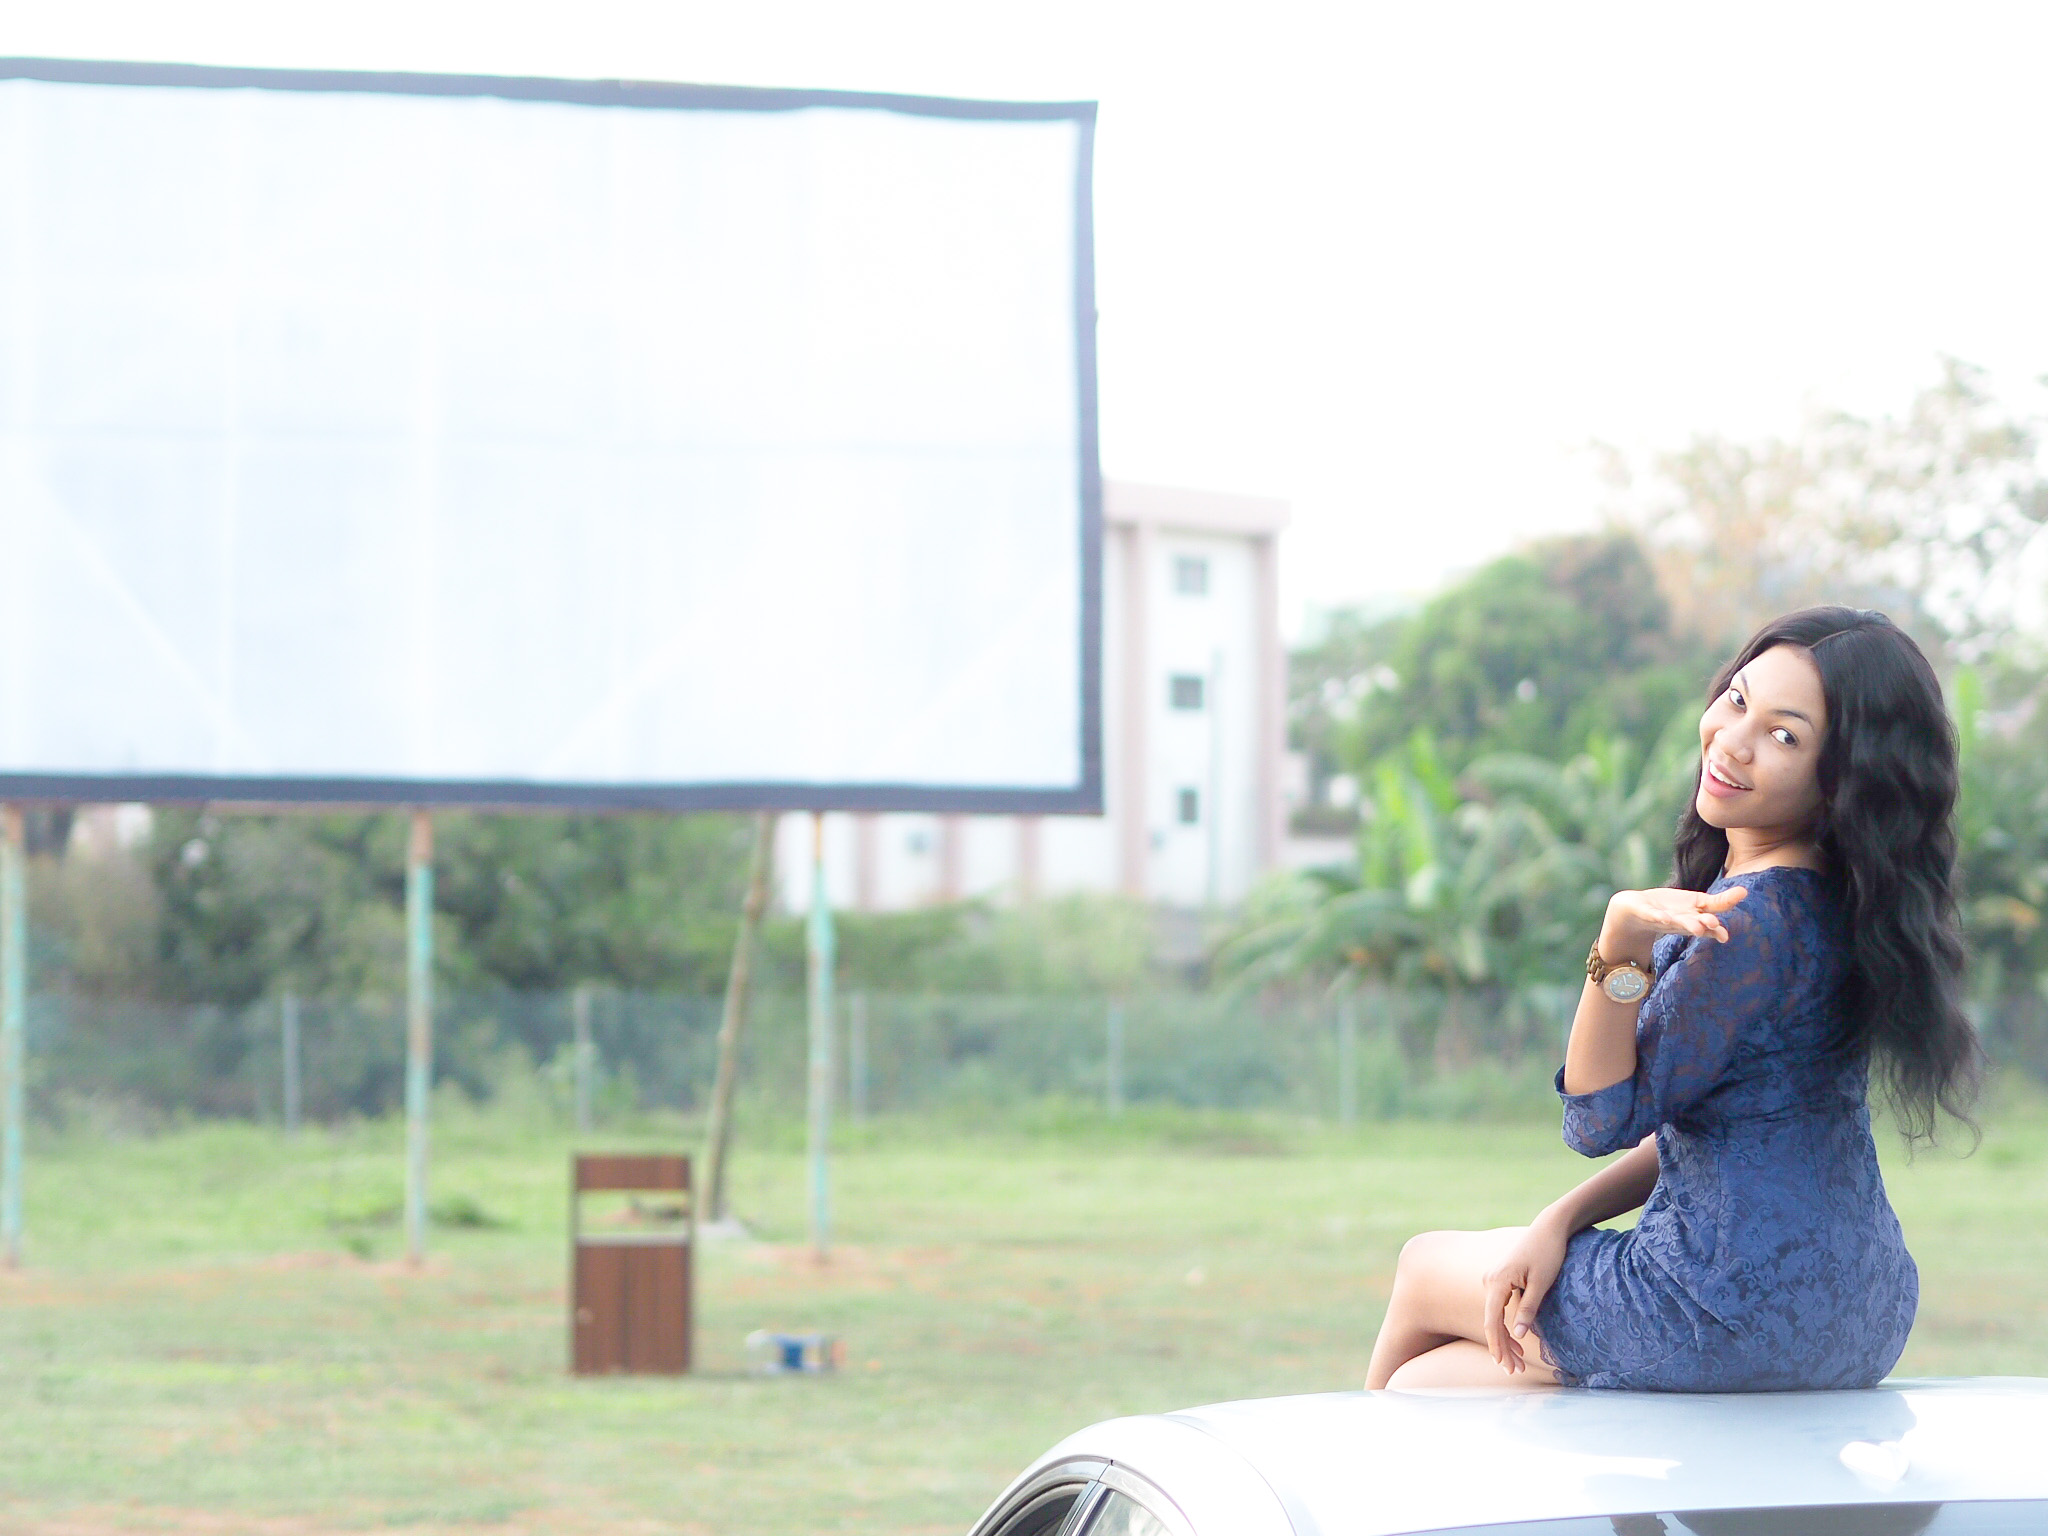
(451, 440)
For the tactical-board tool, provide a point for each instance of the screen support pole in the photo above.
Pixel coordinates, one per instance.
(13, 1024)
(419, 1026)
(738, 981)
(820, 957)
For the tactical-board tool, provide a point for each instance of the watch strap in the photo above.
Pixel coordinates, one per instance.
(1598, 969)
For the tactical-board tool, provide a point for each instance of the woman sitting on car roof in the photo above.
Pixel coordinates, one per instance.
(1726, 1038)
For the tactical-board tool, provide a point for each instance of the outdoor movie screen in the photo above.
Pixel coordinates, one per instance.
(464, 440)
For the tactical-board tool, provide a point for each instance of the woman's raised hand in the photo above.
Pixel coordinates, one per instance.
(1515, 1288)
(1635, 919)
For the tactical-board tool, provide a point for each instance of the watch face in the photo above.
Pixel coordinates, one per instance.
(1626, 984)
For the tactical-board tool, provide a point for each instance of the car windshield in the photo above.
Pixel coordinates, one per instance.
(2004, 1517)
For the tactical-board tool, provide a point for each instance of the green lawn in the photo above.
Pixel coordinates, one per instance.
(212, 1333)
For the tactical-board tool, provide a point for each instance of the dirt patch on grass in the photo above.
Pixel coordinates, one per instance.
(853, 1258)
(107, 1520)
(313, 1258)
(130, 1519)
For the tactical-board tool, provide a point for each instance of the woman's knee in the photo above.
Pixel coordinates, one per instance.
(1440, 1279)
(1427, 1249)
(1423, 1258)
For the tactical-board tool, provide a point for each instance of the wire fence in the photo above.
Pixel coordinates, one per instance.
(595, 1053)
(598, 1052)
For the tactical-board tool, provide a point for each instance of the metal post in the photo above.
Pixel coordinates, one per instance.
(419, 1026)
(13, 1024)
(290, 1044)
(579, 1005)
(1347, 1060)
(857, 1056)
(820, 957)
(1114, 1085)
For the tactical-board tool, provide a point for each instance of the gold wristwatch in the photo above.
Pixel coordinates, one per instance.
(1623, 983)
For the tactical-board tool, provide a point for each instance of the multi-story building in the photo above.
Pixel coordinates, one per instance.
(1194, 718)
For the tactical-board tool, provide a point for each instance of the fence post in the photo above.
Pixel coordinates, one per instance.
(1347, 1060)
(579, 1008)
(857, 1056)
(290, 1045)
(1114, 1076)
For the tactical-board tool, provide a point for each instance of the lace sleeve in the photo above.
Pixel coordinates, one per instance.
(1702, 1004)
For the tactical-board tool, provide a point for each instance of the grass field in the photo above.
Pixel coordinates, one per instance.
(212, 1333)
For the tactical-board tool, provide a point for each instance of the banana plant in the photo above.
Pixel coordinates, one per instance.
(2002, 845)
(1450, 900)
(1608, 813)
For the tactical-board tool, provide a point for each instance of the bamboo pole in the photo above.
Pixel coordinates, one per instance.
(718, 1131)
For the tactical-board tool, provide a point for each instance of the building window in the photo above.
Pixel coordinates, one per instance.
(1190, 807)
(1185, 691)
(1191, 575)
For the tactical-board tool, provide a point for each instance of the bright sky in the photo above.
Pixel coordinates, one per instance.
(1397, 262)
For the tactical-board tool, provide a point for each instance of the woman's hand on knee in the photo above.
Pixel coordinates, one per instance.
(1515, 1288)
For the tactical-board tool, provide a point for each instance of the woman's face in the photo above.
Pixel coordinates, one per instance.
(1760, 745)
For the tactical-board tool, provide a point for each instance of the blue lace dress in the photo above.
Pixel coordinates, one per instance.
(1767, 1258)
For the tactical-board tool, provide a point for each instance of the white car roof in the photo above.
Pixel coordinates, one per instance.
(1383, 1463)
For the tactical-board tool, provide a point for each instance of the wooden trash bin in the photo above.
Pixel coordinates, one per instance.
(630, 1288)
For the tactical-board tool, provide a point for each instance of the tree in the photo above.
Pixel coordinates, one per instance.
(1328, 679)
(1532, 653)
(2002, 863)
(1925, 515)
(242, 906)
(1448, 901)
(1609, 813)
(250, 904)
(1076, 943)
(643, 902)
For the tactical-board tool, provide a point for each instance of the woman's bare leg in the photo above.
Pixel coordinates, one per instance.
(1439, 1303)
(1462, 1363)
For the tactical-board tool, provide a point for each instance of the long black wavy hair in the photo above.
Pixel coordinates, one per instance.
(1887, 841)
